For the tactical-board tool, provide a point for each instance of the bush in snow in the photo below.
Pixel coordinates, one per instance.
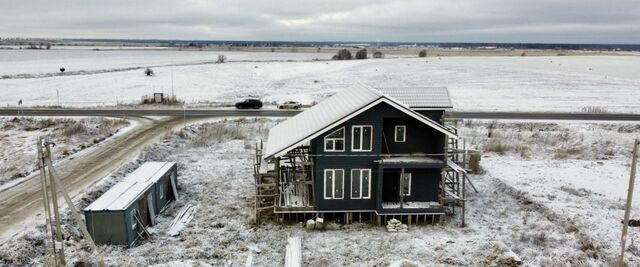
(221, 59)
(423, 53)
(361, 54)
(148, 72)
(343, 54)
(378, 54)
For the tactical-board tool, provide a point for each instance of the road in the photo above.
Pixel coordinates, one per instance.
(221, 112)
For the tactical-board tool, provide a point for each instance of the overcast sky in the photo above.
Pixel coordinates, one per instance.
(547, 21)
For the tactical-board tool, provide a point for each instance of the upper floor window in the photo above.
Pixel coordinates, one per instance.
(333, 184)
(400, 133)
(360, 183)
(361, 138)
(334, 141)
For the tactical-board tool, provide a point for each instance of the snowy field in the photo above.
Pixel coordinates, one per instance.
(575, 83)
(551, 194)
(18, 137)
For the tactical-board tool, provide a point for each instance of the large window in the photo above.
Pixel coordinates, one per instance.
(333, 184)
(360, 183)
(361, 138)
(400, 133)
(406, 184)
(334, 141)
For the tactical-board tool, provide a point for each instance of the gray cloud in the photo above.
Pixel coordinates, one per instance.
(582, 21)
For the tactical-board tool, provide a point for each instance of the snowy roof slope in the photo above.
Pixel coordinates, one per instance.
(420, 97)
(319, 116)
(131, 187)
(332, 111)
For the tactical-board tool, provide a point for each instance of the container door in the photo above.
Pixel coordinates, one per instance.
(152, 209)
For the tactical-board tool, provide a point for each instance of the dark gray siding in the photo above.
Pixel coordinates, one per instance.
(364, 160)
(420, 138)
(435, 115)
(107, 227)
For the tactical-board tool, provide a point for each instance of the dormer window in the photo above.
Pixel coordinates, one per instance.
(400, 133)
(334, 141)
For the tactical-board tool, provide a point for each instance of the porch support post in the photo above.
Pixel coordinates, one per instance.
(401, 188)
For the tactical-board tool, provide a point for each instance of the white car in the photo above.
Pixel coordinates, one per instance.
(290, 105)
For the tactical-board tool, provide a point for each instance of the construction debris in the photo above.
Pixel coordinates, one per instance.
(311, 224)
(395, 225)
(182, 219)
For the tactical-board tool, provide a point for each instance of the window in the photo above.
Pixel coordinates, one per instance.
(333, 184)
(360, 184)
(401, 133)
(334, 141)
(406, 184)
(361, 138)
(134, 221)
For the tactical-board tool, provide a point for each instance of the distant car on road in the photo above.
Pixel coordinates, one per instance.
(290, 105)
(249, 103)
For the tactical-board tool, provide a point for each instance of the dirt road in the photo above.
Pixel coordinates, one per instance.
(20, 204)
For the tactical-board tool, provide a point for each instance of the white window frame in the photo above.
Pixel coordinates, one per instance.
(361, 139)
(361, 191)
(324, 145)
(404, 133)
(409, 188)
(333, 183)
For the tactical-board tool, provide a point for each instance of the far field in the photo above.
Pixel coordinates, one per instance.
(514, 83)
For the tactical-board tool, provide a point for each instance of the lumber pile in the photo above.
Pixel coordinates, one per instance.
(395, 225)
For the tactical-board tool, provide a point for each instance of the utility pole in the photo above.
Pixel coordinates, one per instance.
(50, 189)
(627, 210)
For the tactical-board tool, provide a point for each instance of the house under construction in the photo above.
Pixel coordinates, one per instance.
(364, 154)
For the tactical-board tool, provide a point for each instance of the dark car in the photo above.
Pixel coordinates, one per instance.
(249, 103)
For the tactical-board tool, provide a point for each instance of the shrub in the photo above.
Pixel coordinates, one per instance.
(361, 54)
(594, 109)
(377, 54)
(221, 59)
(423, 53)
(148, 72)
(496, 146)
(343, 54)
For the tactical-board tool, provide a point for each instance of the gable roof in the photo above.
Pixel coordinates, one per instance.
(331, 112)
(121, 195)
(419, 97)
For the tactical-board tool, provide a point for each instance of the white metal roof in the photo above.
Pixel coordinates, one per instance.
(331, 112)
(420, 96)
(121, 195)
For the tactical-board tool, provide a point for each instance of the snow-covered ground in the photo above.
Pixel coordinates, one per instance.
(18, 138)
(540, 200)
(571, 83)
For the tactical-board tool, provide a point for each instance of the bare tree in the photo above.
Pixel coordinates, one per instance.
(221, 59)
(361, 54)
(423, 53)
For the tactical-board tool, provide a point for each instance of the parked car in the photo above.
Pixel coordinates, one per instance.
(249, 103)
(290, 105)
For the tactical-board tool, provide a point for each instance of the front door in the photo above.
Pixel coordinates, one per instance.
(390, 186)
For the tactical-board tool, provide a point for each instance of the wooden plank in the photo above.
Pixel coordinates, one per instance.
(293, 255)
